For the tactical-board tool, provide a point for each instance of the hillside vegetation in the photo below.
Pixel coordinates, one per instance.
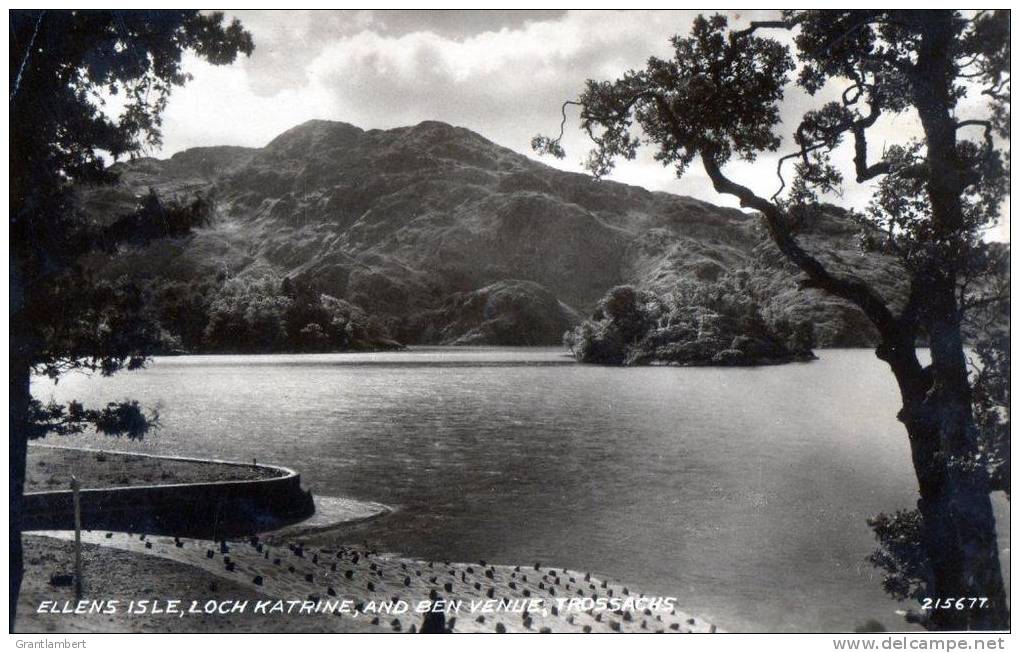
(713, 323)
(433, 234)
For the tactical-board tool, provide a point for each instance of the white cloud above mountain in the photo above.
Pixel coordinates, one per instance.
(502, 74)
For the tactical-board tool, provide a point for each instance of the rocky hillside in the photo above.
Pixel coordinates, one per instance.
(445, 237)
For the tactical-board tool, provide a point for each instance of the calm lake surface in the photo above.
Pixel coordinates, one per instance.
(743, 492)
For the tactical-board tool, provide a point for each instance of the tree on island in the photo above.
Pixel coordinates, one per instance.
(718, 99)
(698, 323)
(67, 69)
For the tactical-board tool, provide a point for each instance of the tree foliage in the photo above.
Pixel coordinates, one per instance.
(267, 314)
(718, 99)
(69, 70)
(86, 86)
(718, 323)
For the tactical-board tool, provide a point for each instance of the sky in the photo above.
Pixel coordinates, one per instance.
(503, 74)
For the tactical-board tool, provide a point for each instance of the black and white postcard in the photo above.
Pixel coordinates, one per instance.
(510, 321)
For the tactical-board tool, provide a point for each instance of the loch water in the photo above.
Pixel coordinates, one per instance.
(741, 491)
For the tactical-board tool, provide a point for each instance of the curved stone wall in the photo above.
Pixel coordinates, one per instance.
(208, 509)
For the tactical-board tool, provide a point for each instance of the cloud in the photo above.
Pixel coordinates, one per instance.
(502, 74)
(504, 77)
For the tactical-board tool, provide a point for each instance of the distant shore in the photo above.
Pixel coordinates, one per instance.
(361, 348)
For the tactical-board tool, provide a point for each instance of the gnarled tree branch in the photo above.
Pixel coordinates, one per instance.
(861, 167)
(859, 129)
(765, 24)
(854, 290)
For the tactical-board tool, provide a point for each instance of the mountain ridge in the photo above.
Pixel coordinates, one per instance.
(401, 221)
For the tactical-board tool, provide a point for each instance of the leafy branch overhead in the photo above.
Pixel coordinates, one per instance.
(69, 69)
(718, 98)
(125, 418)
(92, 55)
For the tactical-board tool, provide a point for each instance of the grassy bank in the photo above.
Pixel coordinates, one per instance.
(51, 469)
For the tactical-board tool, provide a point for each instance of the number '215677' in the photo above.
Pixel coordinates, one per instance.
(963, 603)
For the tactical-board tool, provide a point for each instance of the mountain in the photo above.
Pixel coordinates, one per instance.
(445, 237)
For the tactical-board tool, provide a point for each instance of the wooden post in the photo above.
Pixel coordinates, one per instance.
(75, 487)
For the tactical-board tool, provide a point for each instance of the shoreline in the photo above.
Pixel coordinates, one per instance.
(335, 589)
(406, 348)
(278, 565)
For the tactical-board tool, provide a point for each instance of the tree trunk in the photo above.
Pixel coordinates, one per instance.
(19, 402)
(19, 398)
(956, 510)
(959, 534)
